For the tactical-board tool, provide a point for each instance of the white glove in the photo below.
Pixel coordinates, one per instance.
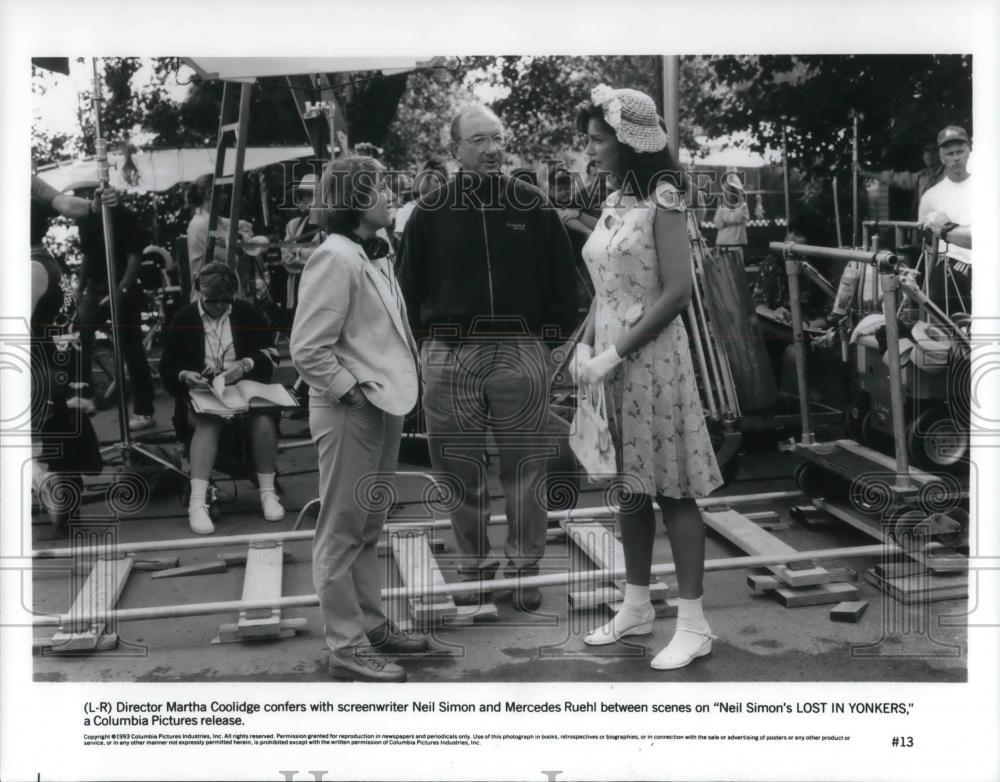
(582, 353)
(595, 370)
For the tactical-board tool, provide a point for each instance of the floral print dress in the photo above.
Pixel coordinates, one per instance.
(655, 412)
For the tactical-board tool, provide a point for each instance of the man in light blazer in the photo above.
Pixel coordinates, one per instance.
(352, 345)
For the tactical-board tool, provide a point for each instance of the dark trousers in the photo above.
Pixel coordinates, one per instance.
(501, 386)
(93, 315)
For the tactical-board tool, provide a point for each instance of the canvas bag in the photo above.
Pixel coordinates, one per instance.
(590, 436)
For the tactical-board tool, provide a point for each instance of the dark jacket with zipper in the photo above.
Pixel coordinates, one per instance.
(491, 257)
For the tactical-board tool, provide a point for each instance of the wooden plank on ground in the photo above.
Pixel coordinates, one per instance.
(98, 595)
(236, 558)
(262, 581)
(197, 569)
(418, 570)
(922, 587)
(749, 537)
(849, 611)
(823, 594)
(602, 548)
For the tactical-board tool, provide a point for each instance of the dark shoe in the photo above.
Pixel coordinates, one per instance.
(360, 665)
(527, 599)
(474, 598)
(389, 638)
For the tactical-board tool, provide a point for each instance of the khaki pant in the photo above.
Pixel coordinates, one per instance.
(358, 448)
(498, 385)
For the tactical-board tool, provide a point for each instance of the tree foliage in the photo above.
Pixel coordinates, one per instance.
(902, 100)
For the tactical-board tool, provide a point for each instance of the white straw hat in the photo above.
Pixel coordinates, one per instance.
(632, 115)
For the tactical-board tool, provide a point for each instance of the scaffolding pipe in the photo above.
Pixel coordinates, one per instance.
(890, 283)
(147, 546)
(792, 269)
(585, 579)
(882, 257)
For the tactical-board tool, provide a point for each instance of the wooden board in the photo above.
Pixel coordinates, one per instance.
(846, 515)
(734, 325)
(849, 611)
(924, 587)
(816, 595)
(234, 558)
(418, 570)
(884, 460)
(749, 537)
(602, 548)
(98, 595)
(197, 569)
(262, 581)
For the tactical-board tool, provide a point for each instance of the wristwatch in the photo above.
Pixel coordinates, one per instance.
(946, 229)
(247, 365)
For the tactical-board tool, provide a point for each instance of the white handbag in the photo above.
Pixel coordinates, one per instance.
(590, 437)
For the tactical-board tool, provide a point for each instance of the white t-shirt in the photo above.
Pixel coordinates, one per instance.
(955, 200)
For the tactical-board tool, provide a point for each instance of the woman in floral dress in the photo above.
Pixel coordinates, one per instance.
(635, 343)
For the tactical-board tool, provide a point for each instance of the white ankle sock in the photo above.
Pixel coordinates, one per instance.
(265, 481)
(690, 614)
(636, 598)
(199, 488)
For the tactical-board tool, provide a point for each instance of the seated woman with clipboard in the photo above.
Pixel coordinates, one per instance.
(221, 342)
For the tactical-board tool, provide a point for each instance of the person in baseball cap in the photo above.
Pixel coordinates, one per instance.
(946, 211)
(952, 133)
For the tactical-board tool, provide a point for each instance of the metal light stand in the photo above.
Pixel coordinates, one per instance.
(127, 447)
(890, 284)
(883, 260)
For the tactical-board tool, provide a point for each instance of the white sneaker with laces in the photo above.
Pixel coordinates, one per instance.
(271, 506)
(200, 521)
(138, 422)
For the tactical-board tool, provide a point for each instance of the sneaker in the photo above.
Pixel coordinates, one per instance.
(200, 521)
(139, 422)
(389, 638)
(83, 404)
(360, 665)
(478, 596)
(271, 506)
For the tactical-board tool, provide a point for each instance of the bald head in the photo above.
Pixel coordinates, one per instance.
(478, 141)
(471, 113)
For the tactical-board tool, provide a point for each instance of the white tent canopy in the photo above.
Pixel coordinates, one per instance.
(729, 151)
(250, 68)
(161, 169)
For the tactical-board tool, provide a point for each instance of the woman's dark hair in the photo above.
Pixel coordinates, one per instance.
(348, 187)
(638, 172)
(198, 191)
(39, 222)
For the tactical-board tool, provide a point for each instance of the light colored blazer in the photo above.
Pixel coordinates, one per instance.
(349, 328)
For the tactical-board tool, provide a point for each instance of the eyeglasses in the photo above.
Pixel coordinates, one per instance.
(484, 141)
(224, 302)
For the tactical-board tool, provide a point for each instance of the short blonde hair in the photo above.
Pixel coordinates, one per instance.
(347, 188)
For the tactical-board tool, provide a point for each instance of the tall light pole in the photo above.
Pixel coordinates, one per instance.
(671, 66)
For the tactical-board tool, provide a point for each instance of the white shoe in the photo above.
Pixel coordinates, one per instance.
(81, 403)
(200, 521)
(624, 623)
(685, 646)
(138, 422)
(271, 506)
